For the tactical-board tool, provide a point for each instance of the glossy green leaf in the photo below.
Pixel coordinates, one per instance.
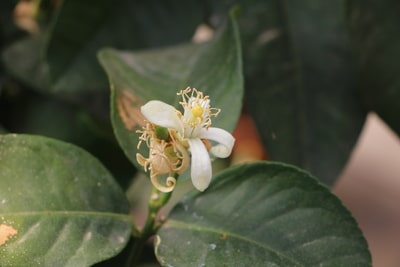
(214, 68)
(262, 214)
(58, 205)
(300, 82)
(374, 31)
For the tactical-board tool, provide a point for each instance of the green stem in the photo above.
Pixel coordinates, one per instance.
(156, 201)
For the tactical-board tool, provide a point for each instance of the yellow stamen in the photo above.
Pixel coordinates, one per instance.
(197, 111)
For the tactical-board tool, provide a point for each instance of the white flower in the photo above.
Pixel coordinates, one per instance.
(192, 129)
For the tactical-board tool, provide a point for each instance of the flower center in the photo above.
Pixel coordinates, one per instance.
(197, 111)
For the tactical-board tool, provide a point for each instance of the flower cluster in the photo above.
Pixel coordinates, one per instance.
(170, 135)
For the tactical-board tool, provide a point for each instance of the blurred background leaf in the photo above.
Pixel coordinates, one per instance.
(24, 61)
(278, 216)
(300, 83)
(60, 206)
(375, 37)
(63, 57)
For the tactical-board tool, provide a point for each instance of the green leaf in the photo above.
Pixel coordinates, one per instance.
(65, 55)
(26, 111)
(24, 61)
(214, 68)
(262, 214)
(300, 80)
(59, 206)
(81, 29)
(376, 42)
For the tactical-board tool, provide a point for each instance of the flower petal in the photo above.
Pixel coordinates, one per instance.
(224, 138)
(162, 114)
(201, 164)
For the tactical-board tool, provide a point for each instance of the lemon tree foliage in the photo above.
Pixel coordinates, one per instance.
(302, 82)
(377, 55)
(59, 206)
(270, 215)
(63, 57)
(306, 71)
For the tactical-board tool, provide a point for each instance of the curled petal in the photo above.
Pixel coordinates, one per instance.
(224, 139)
(162, 114)
(169, 183)
(142, 161)
(184, 157)
(201, 164)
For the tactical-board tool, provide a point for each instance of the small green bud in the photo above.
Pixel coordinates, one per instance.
(161, 133)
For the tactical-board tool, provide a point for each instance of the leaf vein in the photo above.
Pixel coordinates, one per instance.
(180, 224)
